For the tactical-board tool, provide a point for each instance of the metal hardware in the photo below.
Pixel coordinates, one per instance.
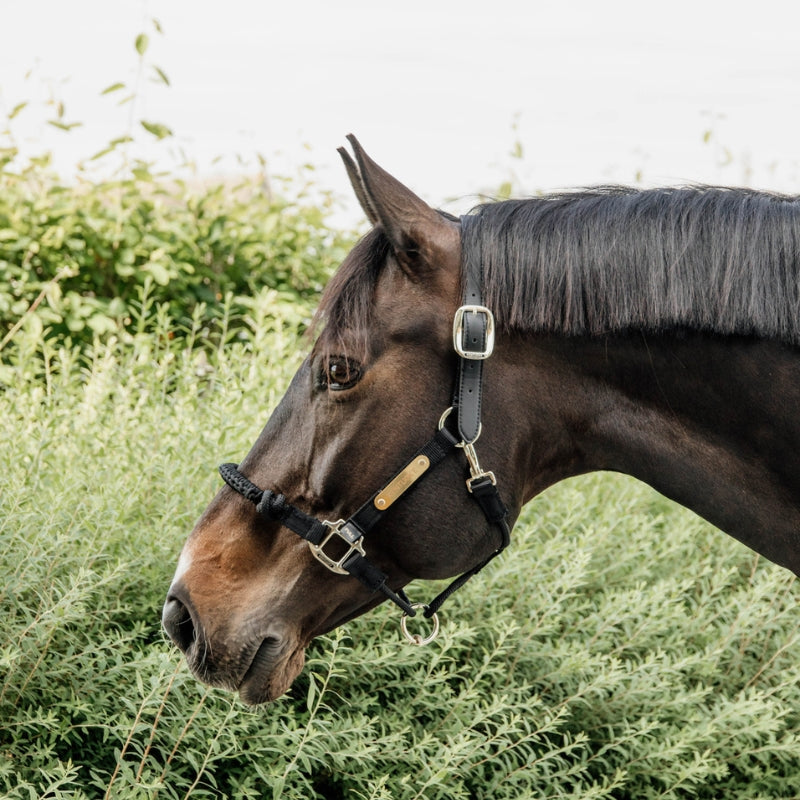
(415, 638)
(348, 534)
(458, 333)
(402, 482)
(475, 471)
(443, 419)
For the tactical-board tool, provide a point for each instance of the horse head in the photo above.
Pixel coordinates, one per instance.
(249, 594)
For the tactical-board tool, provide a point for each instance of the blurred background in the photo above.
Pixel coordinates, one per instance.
(454, 98)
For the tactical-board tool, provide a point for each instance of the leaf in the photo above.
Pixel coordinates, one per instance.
(115, 87)
(17, 108)
(104, 152)
(162, 75)
(312, 694)
(100, 323)
(157, 129)
(7, 154)
(277, 787)
(64, 126)
(159, 272)
(142, 41)
(110, 147)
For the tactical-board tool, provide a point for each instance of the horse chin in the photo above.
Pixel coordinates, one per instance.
(271, 672)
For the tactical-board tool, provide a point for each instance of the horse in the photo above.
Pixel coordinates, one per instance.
(652, 332)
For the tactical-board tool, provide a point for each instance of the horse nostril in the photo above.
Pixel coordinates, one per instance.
(177, 622)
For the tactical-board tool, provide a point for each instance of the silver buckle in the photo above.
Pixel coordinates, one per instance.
(458, 333)
(346, 533)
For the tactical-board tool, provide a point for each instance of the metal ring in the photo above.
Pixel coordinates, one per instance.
(443, 419)
(415, 638)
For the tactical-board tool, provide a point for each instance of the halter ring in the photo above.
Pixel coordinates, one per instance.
(443, 419)
(415, 638)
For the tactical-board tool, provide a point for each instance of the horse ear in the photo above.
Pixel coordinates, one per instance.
(417, 232)
(358, 186)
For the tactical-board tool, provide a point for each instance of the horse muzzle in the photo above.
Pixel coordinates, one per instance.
(259, 666)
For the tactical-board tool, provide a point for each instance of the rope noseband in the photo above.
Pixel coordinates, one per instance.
(473, 341)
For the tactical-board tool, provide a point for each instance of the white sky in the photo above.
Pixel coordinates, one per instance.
(600, 91)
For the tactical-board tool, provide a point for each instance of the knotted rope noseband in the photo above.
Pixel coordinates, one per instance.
(473, 341)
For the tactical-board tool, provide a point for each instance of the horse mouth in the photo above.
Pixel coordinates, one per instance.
(271, 672)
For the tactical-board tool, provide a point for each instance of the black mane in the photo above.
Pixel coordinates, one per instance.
(613, 259)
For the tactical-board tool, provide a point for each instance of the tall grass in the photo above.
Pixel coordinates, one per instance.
(621, 648)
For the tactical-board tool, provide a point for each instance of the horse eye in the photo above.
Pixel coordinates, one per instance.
(341, 373)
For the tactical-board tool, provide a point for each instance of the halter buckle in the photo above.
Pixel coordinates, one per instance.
(458, 333)
(349, 534)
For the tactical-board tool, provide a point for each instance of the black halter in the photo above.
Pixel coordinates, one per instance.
(473, 340)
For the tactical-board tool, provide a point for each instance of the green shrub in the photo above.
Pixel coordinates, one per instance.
(93, 251)
(620, 649)
(80, 257)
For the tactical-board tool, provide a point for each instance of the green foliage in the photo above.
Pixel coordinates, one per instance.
(620, 649)
(80, 258)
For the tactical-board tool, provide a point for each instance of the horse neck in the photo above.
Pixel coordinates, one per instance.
(706, 421)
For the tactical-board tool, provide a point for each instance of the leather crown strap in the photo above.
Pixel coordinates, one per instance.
(473, 340)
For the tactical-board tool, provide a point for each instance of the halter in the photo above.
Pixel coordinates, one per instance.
(473, 341)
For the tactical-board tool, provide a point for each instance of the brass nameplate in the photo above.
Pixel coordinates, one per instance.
(402, 482)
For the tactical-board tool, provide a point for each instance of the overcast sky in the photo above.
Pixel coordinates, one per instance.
(437, 92)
